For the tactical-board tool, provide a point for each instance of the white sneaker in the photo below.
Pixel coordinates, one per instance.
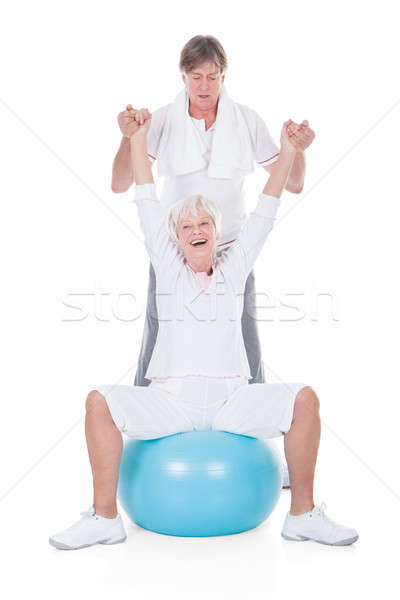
(316, 525)
(90, 529)
(285, 480)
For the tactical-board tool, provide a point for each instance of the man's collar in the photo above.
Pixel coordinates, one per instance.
(201, 125)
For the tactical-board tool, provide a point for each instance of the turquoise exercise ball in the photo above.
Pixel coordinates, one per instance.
(199, 483)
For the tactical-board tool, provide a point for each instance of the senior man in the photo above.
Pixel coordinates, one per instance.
(204, 143)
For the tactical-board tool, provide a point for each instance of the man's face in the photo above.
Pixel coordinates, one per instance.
(203, 85)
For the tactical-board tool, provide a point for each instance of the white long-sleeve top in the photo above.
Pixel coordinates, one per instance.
(200, 331)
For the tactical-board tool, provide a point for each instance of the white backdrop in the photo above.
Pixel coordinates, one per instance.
(68, 68)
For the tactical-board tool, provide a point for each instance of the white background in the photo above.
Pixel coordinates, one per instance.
(67, 69)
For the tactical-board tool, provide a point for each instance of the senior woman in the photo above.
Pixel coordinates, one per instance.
(199, 371)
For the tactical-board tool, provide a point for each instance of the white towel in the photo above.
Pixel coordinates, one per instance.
(181, 149)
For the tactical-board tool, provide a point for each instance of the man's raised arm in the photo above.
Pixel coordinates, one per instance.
(122, 172)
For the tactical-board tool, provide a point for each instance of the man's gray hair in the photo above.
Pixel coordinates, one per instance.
(201, 49)
(189, 206)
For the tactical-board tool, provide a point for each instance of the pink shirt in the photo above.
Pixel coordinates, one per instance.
(203, 279)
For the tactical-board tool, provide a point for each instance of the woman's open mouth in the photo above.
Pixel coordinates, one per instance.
(199, 242)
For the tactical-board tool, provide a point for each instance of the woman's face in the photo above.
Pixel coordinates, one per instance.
(197, 235)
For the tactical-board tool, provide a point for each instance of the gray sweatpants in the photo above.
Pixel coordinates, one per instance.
(249, 330)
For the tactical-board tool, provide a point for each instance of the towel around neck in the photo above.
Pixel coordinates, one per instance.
(181, 149)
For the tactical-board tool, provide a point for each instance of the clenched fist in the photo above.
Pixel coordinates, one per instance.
(287, 136)
(300, 136)
(144, 126)
(129, 120)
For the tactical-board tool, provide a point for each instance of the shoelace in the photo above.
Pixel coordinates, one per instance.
(89, 513)
(85, 514)
(321, 510)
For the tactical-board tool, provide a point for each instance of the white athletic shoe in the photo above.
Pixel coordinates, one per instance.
(90, 529)
(285, 480)
(316, 525)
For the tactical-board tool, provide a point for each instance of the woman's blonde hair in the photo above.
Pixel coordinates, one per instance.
(189, 206)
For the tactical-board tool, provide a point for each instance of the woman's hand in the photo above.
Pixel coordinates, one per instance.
(131, 119)
(300, 136)
(143, 121)
(287, 136)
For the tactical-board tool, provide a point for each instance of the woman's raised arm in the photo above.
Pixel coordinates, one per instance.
(280, 170)
(140, 160)
(260, 222)
(163, 252)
